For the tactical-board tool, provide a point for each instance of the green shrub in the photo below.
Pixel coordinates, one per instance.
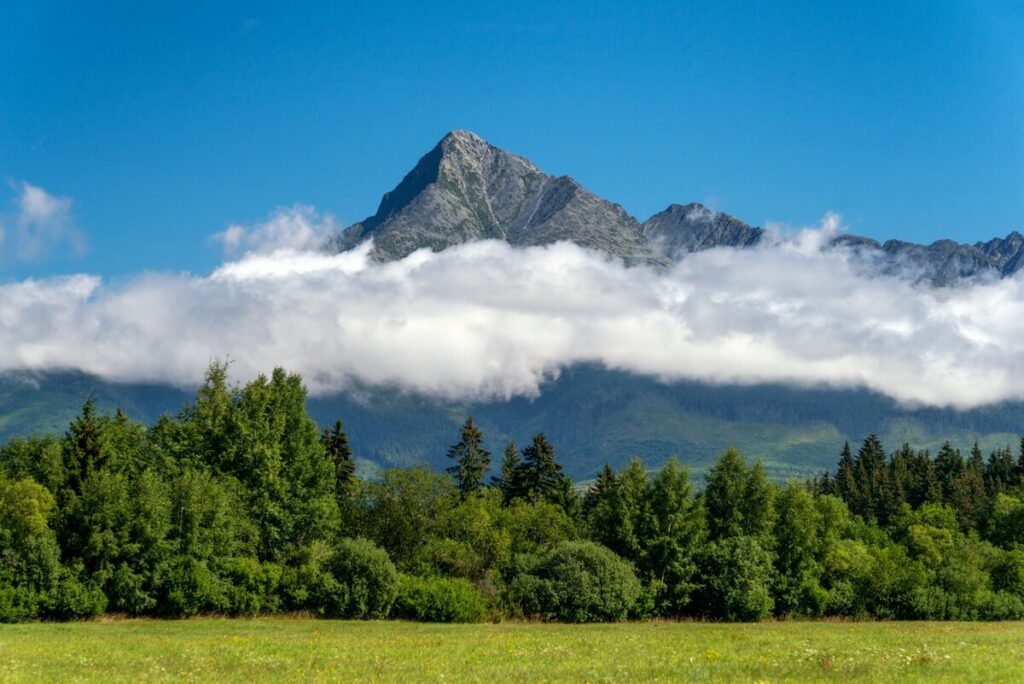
(73, 600)
(367, 580)
(251, 586)
(306, 581)
(737, 576)
(576, 582)
(192, 588)
(438, 599)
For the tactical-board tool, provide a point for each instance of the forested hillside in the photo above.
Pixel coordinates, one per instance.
(595, 416)
(239, 504)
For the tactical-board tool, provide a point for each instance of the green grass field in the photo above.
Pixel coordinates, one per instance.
(282, 649)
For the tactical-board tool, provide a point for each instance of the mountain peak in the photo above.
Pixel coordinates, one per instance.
(684, 228)
(461, 135)
(466, 189)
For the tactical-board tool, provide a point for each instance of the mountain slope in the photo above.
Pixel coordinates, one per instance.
(466, 189)
(591, 415)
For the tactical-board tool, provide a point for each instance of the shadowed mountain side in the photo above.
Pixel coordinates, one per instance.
(591, 415)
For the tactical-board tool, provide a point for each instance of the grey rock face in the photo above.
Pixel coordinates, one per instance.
(466, 189)
(941, 263)
(682, 229)
(1007, 254)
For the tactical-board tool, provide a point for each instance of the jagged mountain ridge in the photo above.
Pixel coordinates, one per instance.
(466, 189)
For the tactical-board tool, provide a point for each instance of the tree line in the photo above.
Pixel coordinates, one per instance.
(241, 505)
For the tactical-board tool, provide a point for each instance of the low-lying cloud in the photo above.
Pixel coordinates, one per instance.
(488, 320)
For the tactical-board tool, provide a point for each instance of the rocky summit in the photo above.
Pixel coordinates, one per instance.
(466, 189)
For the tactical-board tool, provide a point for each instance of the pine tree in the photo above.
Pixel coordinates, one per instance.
(898, 483)
(1000, 472)
(542, 477)
(472, 461)
(339, 452)
(846, 476)
(949, 464)
(1020, 462)
(84, 451)
(604, 483)
(510, 479)
(872, 474)
(976, 461)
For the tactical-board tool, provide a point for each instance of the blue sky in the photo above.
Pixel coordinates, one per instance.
(162, 125)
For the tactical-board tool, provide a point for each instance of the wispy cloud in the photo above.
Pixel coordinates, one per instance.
(297, 228)
(37, 224)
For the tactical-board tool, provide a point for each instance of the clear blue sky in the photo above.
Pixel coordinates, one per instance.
(165, 124)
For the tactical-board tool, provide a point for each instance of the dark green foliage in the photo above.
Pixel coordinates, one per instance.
(576, 582)
(800, 542)
(540, 475)
(509, 481)
(656, 524)
(335, 443)
(239, 505)
(738, 498)
(737, 578)
(402, 510)
(472, 461)
(367, 579)
(438, 599)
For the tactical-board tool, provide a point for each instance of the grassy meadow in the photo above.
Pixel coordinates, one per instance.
(289, 649)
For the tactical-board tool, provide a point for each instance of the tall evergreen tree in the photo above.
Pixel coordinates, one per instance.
(1000, 472)
(1020, 462)
(472, 461)
(604, 483)
(541, 474)
(510, 479)
(336, 446)
(738, 498)
(84, 451)
(846, 476)
(872, 480)
(949, 464)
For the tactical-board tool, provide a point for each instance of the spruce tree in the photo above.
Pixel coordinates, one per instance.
(542, 477)
(948, 466)
(339, 452)
(472, 461)
(846, 476)
(872, 474)
(604, 483)
(510, 479)
(1000, 472)
(1020, 462)
(84, 452)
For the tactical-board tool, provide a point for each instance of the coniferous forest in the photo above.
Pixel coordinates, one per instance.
(241, 505)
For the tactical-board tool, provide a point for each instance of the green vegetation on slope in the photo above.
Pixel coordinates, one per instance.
(595, 416)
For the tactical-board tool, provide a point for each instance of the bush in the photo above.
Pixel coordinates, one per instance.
(737, 574)
(367, 580)
(438, 599)
(306, 582)
(252, 586)
(192, 588)
(72, 600)
(577, 582)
